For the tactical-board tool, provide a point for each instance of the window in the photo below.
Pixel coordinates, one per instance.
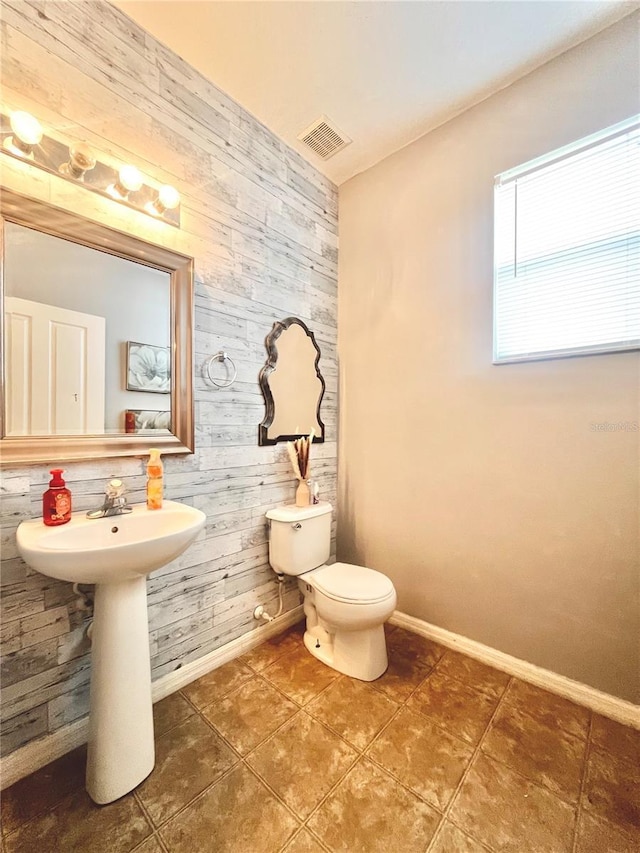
(567, 250)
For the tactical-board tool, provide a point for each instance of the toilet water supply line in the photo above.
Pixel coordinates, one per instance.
(261, 613)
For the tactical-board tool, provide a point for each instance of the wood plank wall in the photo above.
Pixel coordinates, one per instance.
(262, 226)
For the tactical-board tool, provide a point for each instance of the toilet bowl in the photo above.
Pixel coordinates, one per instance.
(345, 605)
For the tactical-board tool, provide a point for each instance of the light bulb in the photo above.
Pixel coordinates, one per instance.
(26, 127)
(130, 178)
(129, 181)
(27, 132)
(81, 160)
(169, 197)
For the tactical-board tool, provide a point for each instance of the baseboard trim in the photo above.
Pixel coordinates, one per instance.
(39, 753)
(603, 703)
(196, 669)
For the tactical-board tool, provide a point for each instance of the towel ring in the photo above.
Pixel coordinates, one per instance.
(220, 356)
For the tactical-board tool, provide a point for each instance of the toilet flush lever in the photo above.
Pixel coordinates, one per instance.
(297, 526)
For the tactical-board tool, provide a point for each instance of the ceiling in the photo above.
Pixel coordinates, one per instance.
(384, 72)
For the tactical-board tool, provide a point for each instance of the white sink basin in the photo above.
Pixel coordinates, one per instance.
(115, 553)
(104, 550)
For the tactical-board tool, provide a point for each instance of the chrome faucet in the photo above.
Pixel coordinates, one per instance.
(115, 501)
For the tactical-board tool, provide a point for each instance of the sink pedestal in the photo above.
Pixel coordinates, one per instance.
(115, 553)
(121, 749)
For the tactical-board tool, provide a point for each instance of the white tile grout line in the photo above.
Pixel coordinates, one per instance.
(297, 834)
(237, 763)
(154, 832)
(404, 705)
(304, 709)
(464, 832)
(467, 770)
(583, 783)
(161, 842)
(242, 758)
(362, 755)
(143, 809)
(537, 784)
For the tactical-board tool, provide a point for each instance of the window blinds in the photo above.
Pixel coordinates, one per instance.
(567, 250)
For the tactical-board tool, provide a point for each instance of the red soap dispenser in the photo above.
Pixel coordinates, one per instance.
(56, 501)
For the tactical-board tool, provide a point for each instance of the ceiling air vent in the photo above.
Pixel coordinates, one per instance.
(324, 138)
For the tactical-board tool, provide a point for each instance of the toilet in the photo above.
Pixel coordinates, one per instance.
(345, 606)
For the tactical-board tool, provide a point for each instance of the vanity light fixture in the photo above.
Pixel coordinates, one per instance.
(27, 132)
(23, 139)
(81, 160)
(168, 199)
(129, 181)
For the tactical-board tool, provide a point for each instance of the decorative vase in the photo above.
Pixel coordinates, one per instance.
(303, 497)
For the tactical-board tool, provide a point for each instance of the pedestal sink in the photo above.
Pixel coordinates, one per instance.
(115, 553)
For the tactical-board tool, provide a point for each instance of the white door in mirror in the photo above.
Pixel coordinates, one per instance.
(55, 370)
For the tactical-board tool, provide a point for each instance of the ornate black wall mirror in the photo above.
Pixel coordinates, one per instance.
(291, 383)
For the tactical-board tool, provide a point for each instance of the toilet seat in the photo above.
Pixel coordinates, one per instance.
(350, 584)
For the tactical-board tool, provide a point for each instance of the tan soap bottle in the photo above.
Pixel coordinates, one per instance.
(155, 472)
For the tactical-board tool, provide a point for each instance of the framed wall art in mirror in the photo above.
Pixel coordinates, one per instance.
(291, 384)
(148, 368)
(76, 296)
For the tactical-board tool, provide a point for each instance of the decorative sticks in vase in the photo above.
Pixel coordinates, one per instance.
(299, 455)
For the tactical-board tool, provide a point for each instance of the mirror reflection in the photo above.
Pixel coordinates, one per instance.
(110, 316)
(292, 384)
(87, 339)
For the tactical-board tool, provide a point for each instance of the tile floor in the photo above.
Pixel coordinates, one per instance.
(275, 752)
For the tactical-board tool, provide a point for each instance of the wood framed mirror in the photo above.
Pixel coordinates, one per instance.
(291, 384)
(97, 345)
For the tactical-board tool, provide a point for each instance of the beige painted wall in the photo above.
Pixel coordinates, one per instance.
(483, 490)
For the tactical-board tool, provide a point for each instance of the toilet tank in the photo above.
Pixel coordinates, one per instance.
(299, 537)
